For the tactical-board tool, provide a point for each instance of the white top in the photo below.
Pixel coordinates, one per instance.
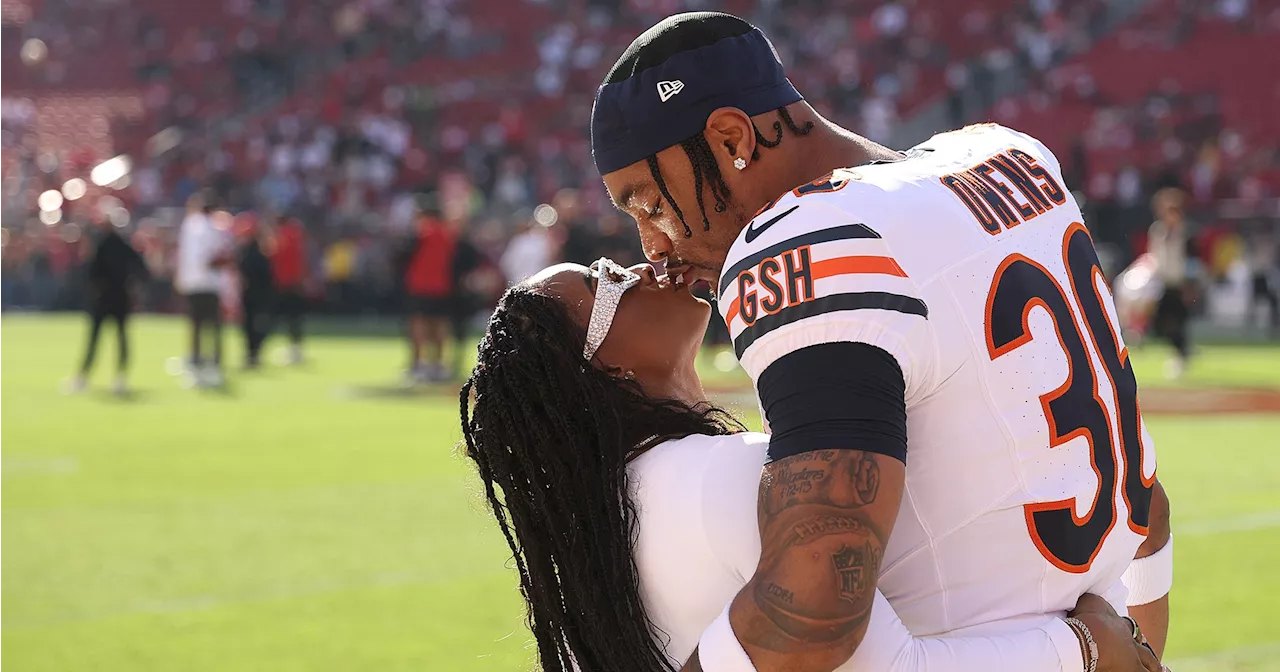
(1169, 248)
(199, 242)
(1024, 443)
(699, 543)
(526, 254)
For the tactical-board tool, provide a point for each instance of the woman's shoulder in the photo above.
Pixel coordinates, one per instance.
(703, 444)
(691, 455)
(702, 490)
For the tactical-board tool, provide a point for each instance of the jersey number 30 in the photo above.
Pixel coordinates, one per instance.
(1076, 409)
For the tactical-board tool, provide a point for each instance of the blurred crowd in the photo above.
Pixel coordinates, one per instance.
(341, 114)
(1202, 131)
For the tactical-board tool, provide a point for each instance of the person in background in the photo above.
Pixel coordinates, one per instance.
(339, 267)
(532, 249)
(289, 266)
(582, 240)
(581, 234)
(202, 251)
(464, 302)
(1264, 293)
(428, 281)
(1167, 244)
(113, 269)
(11, 262)
(256, 289)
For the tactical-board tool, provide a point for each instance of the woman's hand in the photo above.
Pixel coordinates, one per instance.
(1118, 649)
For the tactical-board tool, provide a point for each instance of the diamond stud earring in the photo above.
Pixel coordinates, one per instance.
(740, 163)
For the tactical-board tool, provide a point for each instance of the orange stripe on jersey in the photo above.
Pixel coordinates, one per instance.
(768, 205)
(734, 309)
(857, 265)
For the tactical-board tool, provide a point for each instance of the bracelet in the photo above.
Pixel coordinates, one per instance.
(1087, 643)
(1135, 629)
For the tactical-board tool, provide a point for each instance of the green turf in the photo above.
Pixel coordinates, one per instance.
(315, 519)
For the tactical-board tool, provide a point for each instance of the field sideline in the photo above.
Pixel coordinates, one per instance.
(319, 519)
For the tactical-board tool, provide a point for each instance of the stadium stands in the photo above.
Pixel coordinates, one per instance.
(1182, 94)
(338, 110)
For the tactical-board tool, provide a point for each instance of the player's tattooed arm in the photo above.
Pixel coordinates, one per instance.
(825, 517)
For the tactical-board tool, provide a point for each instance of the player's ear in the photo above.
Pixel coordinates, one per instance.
(730, 134)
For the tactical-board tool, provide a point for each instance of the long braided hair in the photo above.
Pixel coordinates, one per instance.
(551, 435)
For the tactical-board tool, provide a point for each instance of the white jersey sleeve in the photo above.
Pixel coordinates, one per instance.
(806, 272)
(699, 544)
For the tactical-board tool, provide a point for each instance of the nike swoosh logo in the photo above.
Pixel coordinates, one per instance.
(754, 232)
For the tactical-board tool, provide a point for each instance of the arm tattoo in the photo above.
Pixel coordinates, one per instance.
(822, 539)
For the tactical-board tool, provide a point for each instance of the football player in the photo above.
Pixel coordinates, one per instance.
(954, 419)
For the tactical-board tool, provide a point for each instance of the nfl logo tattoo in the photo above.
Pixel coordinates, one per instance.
(851, 568)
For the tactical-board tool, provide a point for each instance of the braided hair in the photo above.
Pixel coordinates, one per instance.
(705, 167)
(551, 435)
(697, 31)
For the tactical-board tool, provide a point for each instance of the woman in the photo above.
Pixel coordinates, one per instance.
(585, 389)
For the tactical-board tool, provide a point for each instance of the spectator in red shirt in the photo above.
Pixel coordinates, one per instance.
(289, 268)
(429, 284)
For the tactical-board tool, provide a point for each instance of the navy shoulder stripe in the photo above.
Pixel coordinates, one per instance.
(846, 232)
(828, 304)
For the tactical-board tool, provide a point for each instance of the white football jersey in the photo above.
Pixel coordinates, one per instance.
(699, 543)
(1029, 470)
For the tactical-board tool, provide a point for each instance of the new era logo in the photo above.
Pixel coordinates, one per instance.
(668, 89)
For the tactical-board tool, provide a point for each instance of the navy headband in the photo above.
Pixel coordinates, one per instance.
(665, 104)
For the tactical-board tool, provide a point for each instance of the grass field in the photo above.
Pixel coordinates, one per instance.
(315, 519)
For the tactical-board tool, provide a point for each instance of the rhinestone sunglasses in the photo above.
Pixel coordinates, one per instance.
(612, 281)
